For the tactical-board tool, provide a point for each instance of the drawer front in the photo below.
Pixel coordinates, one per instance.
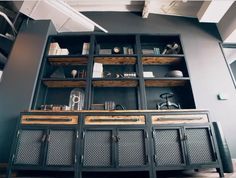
(179, 119)
(114, 120)
(49, 119)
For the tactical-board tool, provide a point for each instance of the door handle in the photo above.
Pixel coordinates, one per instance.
(43, 138)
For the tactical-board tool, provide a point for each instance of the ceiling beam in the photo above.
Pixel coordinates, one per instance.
(146, 8)
(64, 17)
(212, 11)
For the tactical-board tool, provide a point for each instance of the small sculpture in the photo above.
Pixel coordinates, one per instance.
(74, 73)
(167, 104)
(173, 48)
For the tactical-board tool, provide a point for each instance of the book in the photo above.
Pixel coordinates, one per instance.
(85, 49)
(53, 48)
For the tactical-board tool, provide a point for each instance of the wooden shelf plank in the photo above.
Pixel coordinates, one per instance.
(68, 60)
(115, 83)
(162, 59)
(168, 82)
(116, 60)
(66, 83)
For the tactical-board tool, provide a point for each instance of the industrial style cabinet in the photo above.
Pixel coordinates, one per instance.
(143, 142)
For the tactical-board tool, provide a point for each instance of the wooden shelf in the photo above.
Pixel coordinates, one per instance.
(68, 60)
(64, 83)
(115, 82)
(161, 59)
(116, 60)
(166, 82)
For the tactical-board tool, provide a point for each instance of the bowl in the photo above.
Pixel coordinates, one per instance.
(174, 73)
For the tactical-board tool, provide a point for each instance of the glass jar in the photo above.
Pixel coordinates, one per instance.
(77, 97)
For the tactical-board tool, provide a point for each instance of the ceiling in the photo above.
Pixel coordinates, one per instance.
(66, 14)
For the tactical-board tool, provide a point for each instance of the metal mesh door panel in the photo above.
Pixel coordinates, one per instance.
(97, 148)
(60, 147)
(131, 148)
(199, 146)
(29, 147)
(168, 147)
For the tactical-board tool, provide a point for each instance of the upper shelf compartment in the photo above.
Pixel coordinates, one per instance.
(63, 45)
(160, 45)
(115, 44)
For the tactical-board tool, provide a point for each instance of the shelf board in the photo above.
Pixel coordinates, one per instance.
(161, 59)
(68, 60)
(129, 82)
(64, 83)
(166, 82)
(116, 60)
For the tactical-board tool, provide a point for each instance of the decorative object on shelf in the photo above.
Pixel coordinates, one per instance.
(74, 73)
(116, 50)
(53, 107)
(156, 51)
(104, 51)
(148, 51)
(127, 50)
(46, 107)
(174, 73)
(148, 74)
(97, 70)
(85, 49)
(110, 105)
(167, 104)
(173, 48)
(58, 73)
(82, 74)
(77, 98)
(129, 74)
(98, 106)
(107, 75)
(119, 107)
(55, 49)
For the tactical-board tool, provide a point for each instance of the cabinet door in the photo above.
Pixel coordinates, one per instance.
(131, 147)
(199, 145)
(61, 145)
(97, 148)
(29, 147)
(168, 147)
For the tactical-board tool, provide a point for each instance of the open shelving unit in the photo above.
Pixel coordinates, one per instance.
(119, 54)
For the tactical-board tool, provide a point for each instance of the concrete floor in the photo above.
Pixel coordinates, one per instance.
(207, 173)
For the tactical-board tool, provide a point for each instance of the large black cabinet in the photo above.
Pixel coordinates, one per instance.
(106, 143)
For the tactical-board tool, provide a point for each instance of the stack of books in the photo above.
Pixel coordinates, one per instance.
(55, 49)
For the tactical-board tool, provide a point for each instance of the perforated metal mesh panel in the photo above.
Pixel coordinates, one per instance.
(97, 148)
(60, 147)
(29, 147)
(131, 148)
(199, 145)
(167, 147)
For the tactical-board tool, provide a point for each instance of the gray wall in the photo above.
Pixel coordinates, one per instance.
(207, 67)
(19, 78)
